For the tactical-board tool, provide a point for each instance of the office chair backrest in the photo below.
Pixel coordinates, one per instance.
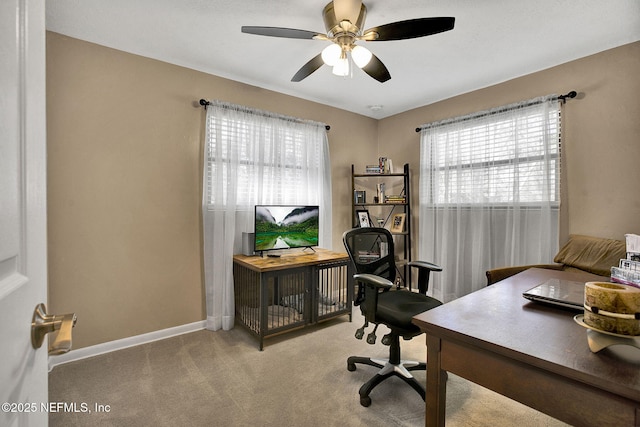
(371, 251)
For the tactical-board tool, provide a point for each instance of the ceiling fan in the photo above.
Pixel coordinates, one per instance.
(344, 20)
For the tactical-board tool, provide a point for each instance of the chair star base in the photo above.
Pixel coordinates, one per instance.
(387, 370)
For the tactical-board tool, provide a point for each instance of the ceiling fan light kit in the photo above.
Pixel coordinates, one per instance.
(343, 21)
(336, 57)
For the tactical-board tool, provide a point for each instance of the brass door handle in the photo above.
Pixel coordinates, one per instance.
(43, 323)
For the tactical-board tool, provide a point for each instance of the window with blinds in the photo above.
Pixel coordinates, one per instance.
(500, 158)
(246, 158)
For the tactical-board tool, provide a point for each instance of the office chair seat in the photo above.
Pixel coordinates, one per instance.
(371, 251)
(397, 308)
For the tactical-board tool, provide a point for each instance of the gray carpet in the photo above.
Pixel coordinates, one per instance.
(300, 379)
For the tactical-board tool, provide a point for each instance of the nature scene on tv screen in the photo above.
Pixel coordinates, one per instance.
(285, 227)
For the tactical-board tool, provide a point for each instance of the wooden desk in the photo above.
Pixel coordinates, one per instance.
(274, 295)
(529, 352)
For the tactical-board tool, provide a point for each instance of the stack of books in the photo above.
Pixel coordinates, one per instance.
(397, 199)
(628, 270)
(384, 166)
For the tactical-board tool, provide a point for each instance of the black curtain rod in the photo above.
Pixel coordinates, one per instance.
(562, 98)
(204, 103)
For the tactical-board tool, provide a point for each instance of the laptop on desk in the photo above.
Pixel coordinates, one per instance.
(558, 292)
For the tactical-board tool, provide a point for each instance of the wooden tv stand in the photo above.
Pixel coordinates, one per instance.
(297, 289)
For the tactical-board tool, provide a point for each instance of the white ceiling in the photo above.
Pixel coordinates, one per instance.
(493, 41)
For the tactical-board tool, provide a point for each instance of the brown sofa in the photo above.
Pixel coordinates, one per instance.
(581, 253)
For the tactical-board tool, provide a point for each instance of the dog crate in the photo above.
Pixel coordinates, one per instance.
(274, 295)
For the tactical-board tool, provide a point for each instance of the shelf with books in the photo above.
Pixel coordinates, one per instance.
(368, 175)
(388, 207)
(380, 204)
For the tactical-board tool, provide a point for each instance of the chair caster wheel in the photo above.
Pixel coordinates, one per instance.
(371, 338)
(386, 340)
(365, 401)
(351, 367)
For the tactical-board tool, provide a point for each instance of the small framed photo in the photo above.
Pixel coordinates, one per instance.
(397, 223)
(364, 220)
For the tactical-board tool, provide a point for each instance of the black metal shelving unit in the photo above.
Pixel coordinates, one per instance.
(402, 240)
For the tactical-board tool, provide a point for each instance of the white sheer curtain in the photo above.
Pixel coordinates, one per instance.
(489, 193)
(255, 157)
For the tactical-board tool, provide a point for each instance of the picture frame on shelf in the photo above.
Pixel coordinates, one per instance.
(364, 220)
(397, 223)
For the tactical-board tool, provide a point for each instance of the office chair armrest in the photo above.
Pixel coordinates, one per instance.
(424, 264)
(371, 279)
(372, 286)
(424, 270)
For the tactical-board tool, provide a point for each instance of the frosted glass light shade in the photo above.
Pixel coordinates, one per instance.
(361, 56)
(331, 54)
(342, 67)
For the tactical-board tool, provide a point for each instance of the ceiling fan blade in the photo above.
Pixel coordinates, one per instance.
(289, 33)
(308, 68)
(410, 29)
(376, 69)
(347, 9)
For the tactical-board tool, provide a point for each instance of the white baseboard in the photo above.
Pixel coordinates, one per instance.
(110, 346)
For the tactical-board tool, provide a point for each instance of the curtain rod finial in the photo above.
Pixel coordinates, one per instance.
(204, 102)
(571, 94)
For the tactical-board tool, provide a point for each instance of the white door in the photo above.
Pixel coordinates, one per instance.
(23, 240)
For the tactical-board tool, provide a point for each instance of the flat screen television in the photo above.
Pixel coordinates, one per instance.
(286, 227)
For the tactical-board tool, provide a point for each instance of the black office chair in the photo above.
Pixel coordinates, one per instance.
(372, 253)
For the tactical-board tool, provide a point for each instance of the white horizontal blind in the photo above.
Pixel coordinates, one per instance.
(489, 192)
(497, 159)
(262, 159)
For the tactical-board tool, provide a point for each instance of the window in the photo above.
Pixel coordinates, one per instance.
(255, 157)
(490, 181)
(505, 158)
(267, 160)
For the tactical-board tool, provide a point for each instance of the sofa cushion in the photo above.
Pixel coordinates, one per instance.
(593, 254)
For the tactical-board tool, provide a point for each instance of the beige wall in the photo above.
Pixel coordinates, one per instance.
(125, 140)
